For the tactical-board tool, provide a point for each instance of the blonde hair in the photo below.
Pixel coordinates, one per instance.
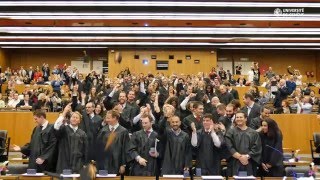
(78, 113)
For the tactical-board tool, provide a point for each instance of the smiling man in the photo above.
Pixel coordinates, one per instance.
(244, 145)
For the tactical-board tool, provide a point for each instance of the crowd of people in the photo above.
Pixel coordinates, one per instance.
(153, 124)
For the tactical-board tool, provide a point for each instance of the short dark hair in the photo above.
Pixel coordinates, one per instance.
(249, 95)
(196, 104)
(242, 112)
(114, 113)
(40, 113)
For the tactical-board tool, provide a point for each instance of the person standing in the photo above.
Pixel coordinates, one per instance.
(73, 142)
(112, 144)
(208, 143)
(244, 145)
(272, 154)
(177, 156)
(142, 149)
(42, 145)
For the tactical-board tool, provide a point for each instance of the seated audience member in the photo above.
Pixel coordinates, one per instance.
(42, 145)
(244, 145)
(14, 101)
(262, 99)
(208, 141)
(286, 109)
(296, 106)
(73, 142)
(26, 102)
(225, 97)
(142, 149)
(272, 154)
(306, 106)
(2, 103)
(313, 99)
(176, 154)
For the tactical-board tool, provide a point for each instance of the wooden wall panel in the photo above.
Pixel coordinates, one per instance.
(207, 60)
(279, 60)
(36, 57)
(3, 59)
(297, 129)
(20, 125)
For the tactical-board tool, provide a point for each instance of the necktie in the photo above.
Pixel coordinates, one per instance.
(112, 129)
(148, 132)
(198, 118)
(41, 128)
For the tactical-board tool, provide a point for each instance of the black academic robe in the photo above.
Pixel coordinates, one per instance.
(73, 149)
(91, 127)
(186, 123)
(272, 154)
(42, 145)
(208, 155)
(140, 145)
(176, 154)
(244, 142)
(115, 155)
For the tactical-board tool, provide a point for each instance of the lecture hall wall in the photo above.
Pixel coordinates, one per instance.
(279, 60)
(207, 59)
(304, 60)
(36, 57)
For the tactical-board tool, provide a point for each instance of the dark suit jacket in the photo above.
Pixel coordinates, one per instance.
(255, 112)
(234, 93)
(186, 124)
(281, 94)
(226, 98)
(22, 103)
(91, 127)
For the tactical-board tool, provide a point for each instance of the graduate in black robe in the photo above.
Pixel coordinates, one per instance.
(91, 125)
(113, 141)
(244, 145)
(176, 154)
(42, 145)
(207, 142)
(73, 142)
(142, 149)
(272, 153)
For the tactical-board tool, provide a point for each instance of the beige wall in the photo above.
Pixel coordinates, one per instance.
(207, 60)
(3, 59)
(34, 57)
(279, 60)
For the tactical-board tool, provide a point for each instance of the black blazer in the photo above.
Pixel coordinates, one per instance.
(234, 93)
(22, 103)
(255, 112)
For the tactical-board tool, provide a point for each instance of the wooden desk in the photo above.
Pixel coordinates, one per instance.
(9, 177)
(34, 178)
(18, 160)
(299, 163)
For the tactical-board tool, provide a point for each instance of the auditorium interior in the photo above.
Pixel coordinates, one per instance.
(56, 55)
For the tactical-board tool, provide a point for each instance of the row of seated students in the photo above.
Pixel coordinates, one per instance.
(150, 145)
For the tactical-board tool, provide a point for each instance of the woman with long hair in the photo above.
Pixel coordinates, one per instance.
(272, 154)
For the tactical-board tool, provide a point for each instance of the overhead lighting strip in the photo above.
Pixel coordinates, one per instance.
(155, 38)
(158, 29)
(159, 43)
(155, 4)
(173, 17)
